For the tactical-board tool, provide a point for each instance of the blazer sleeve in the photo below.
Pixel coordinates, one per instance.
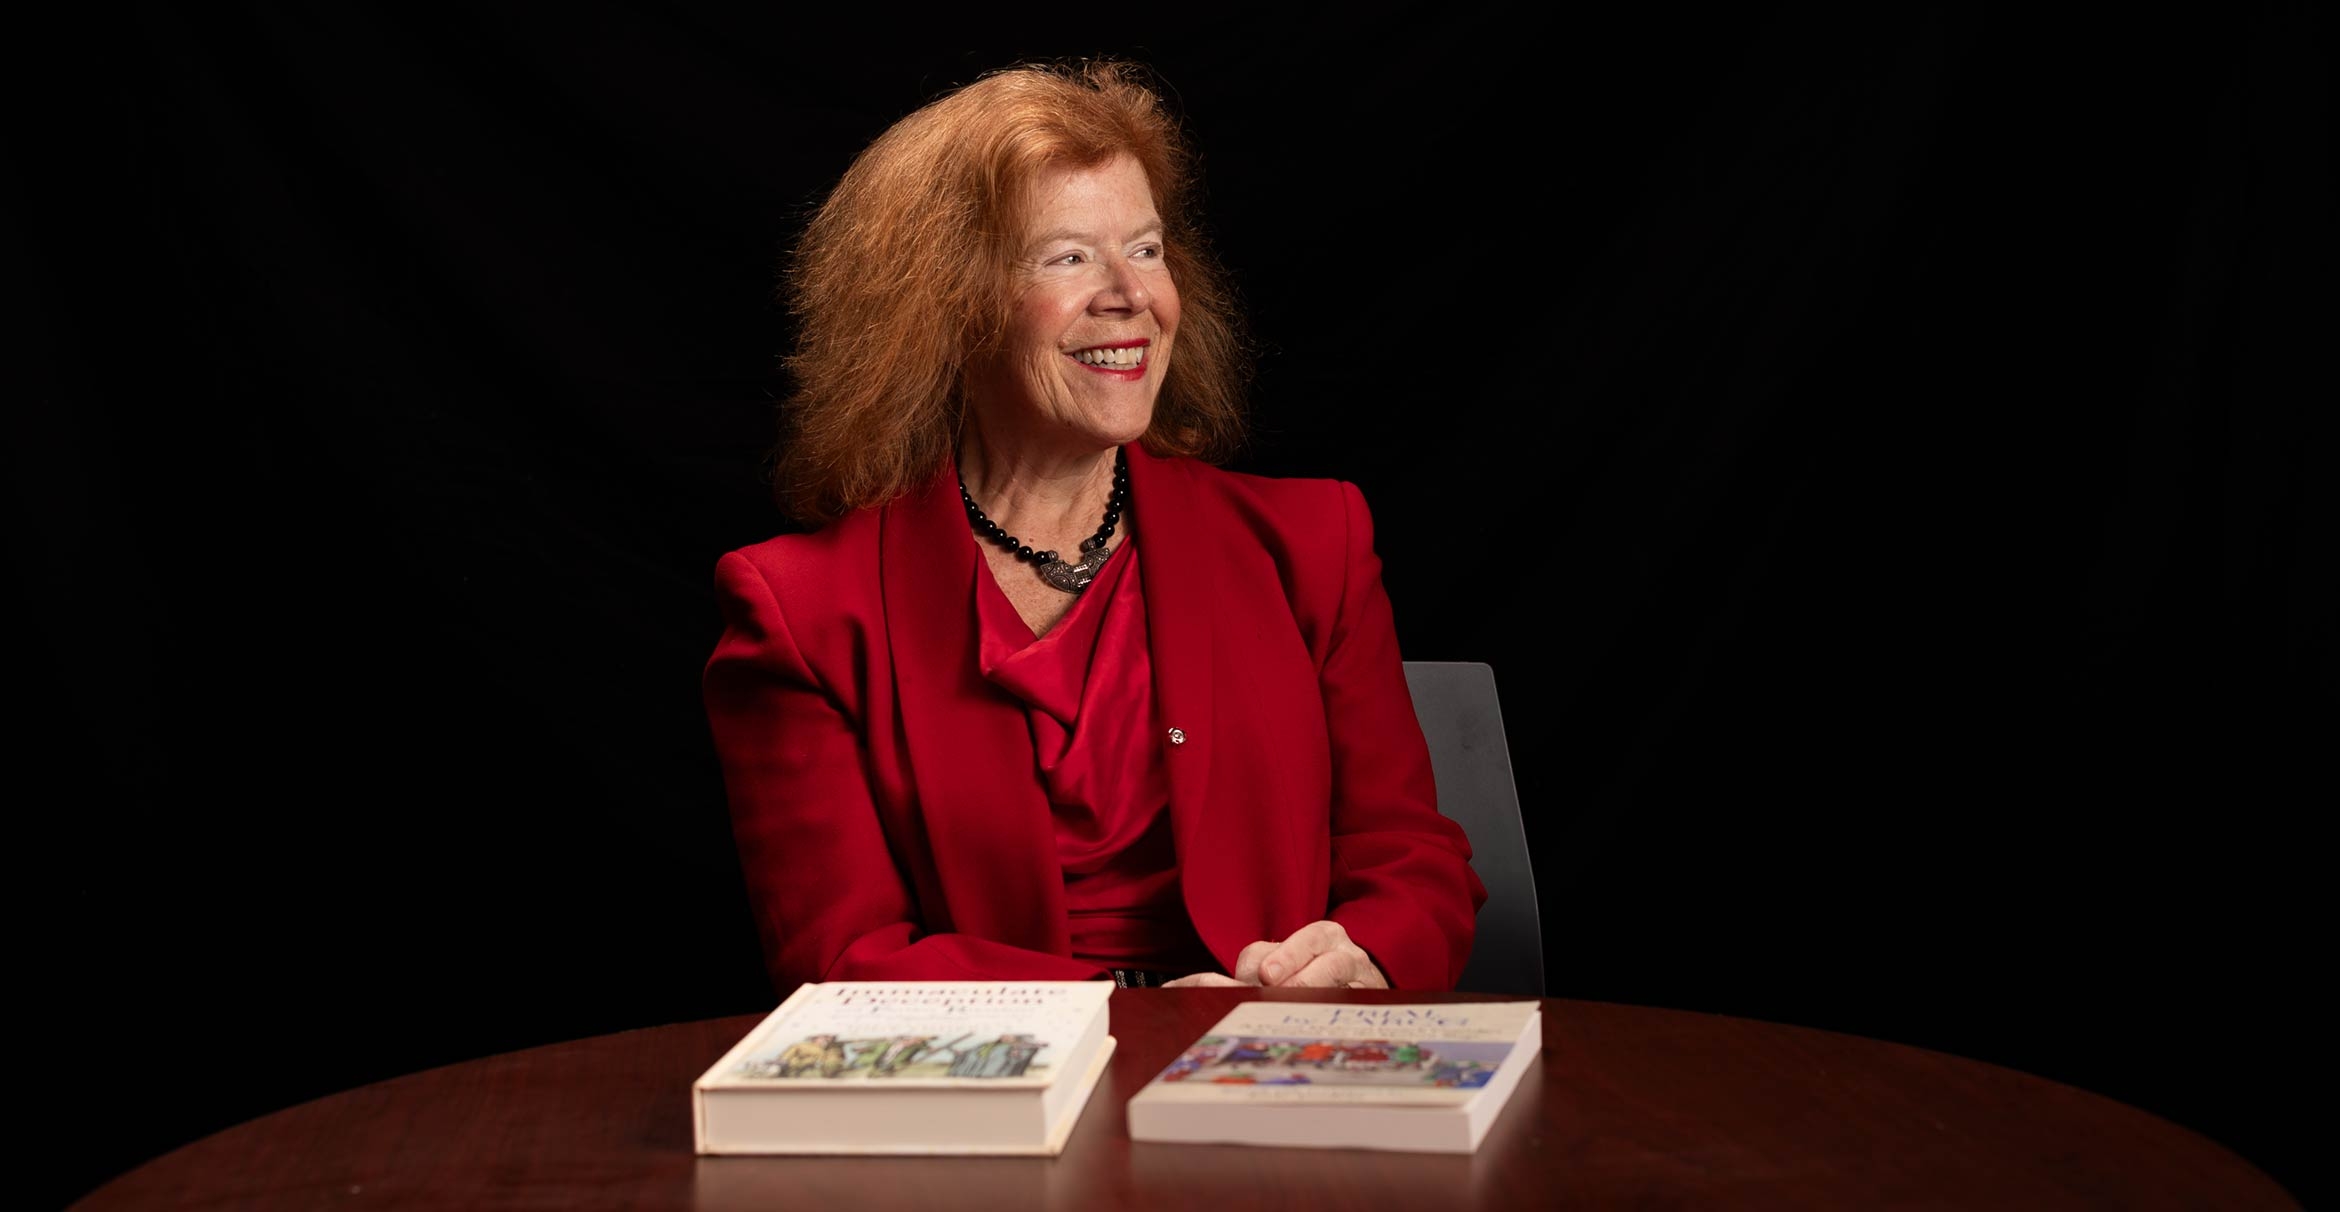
(830, 899)
(1402, 884)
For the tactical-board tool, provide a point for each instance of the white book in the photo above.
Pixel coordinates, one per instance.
(1422, 1078)
(939, 1067)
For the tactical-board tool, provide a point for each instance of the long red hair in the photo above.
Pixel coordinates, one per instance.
(903, 275)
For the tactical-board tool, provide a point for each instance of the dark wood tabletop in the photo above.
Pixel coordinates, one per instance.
(1627, 1106)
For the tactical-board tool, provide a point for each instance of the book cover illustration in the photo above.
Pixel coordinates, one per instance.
(1269, 1051)
(825, 1056)
(916, 1033)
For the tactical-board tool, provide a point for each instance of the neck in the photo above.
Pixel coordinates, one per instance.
(1030, 492)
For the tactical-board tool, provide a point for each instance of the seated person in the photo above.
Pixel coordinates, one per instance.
(1043, 693)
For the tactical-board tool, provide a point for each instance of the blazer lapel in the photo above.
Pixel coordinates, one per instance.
(1180, 586)
(987, 822)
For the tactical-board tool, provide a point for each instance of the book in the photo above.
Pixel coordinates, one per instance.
(1421, 1078)
(909, 1067)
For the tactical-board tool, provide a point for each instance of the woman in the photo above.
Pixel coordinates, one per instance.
(1046, 695)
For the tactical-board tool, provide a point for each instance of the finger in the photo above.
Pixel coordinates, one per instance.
(1299, 950)
(1202, 980)
(1332, 970)
(1247, 963)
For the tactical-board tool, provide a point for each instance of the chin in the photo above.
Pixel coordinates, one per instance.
(1121, 426)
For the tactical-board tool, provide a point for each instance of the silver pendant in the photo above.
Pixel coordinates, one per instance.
(1073, 578)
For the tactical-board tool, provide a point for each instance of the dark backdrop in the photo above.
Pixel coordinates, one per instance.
(1883, 458)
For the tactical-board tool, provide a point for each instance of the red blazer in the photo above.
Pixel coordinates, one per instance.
(890, 821)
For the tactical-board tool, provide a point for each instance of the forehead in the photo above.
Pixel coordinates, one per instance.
(1112, 198)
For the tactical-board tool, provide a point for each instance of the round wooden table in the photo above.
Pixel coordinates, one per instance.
(1628, 1106)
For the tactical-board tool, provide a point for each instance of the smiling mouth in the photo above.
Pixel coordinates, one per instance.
(1130, 356)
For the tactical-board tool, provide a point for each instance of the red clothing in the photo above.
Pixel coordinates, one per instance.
(1093, 744)
(881, 789)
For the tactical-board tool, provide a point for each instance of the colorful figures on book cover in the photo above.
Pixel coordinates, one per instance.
(1251, 1060)
(1011, 1054)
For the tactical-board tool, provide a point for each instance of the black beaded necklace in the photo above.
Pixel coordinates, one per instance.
(1070, 577)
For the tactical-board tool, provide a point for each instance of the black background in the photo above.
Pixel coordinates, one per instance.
(1883, 456)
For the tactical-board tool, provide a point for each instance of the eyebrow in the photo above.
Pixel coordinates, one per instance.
(1152, 227)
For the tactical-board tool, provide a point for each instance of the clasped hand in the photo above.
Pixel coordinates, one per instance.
(1317, 955)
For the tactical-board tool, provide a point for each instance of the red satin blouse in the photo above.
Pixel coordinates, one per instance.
(1088, 694)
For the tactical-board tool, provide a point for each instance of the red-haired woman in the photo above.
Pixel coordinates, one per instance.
(1044, 693)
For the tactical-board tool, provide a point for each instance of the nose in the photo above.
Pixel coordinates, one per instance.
(1124, 288)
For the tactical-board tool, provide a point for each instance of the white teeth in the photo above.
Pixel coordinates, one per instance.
(1129, 356)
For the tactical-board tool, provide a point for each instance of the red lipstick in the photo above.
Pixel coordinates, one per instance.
(1126, 374)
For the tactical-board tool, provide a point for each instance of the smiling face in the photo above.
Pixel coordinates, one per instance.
(1089, 330)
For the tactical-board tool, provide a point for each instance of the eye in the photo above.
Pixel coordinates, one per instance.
(1072, 258)
(1148, 251)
